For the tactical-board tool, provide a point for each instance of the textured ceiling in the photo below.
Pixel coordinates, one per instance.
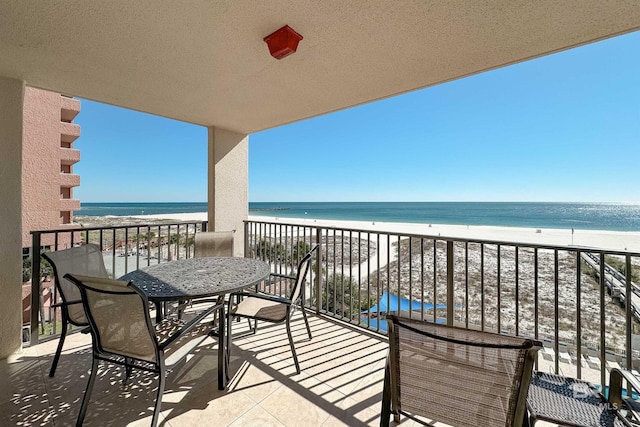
(204, 61)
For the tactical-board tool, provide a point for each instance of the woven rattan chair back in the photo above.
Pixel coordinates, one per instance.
(85, 260)
(214, 243)
(119, 319)
(456, 376)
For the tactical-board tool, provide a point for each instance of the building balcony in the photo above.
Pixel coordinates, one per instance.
(69, 108)
(69, 205)
(69, 156)
(340, 384)
(69, 132)
(69, 180)
(573, 299)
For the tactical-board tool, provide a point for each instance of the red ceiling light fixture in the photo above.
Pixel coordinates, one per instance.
(283, 42)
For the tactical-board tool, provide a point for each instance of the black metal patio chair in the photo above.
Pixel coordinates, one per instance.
(274, 309)
(122, 332)
(455, 376)
(86, 260)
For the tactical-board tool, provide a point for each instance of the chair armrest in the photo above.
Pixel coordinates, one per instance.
(283, 276)
(188, 326)
(61, 304)
(263, 296)
(616, 379)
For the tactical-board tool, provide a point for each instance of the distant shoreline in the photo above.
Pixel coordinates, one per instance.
(579, 216)
(600, 239)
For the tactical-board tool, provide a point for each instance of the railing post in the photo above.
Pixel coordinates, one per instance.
(318, 272)
(450, 283)
(246, 239)
(35, 286)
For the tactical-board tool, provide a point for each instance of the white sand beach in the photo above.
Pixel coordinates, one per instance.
(610, 240)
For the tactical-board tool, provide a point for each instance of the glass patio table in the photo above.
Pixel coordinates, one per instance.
(196, 278)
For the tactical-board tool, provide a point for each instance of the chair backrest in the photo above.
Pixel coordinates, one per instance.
(458, 376)
(85, 260)
(118, 317)
(213, 243)
(301, 276)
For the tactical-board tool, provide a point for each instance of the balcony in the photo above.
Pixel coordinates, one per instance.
(69, 108)
(340, 383)
(69, 180)
(69, 205)
(69, 132)
(574, 299)
(69, 156)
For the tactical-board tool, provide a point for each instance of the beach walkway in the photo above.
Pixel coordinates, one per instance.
(616, 283)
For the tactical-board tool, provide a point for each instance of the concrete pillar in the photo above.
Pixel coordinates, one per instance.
(11, 104)
(228, 192)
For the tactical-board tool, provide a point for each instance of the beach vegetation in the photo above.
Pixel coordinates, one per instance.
(620, 265)
(341, 295)
(45, 268)
(146, 237)
(282, 253)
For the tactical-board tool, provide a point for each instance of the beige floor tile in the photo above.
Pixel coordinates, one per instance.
(21, 379)
(73, 342)
(207, 405)
(369, 390)
(350, 412)
(256, 417)
(305, 402)
(340, 383)
(254, 382)
(32, 411)
(134, 408)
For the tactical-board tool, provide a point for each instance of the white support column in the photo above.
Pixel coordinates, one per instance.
(11, 102)
(228, 192)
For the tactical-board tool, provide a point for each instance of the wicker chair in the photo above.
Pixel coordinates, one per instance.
(274, 309)
(86, 260)
(456, 376)
(122, 332)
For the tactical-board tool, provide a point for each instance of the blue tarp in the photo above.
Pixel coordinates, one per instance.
(389, 303)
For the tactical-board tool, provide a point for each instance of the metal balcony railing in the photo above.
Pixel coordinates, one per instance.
(574, 299)
(583, 303)
(125, 248)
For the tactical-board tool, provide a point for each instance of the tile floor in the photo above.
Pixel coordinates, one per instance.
(340, 384)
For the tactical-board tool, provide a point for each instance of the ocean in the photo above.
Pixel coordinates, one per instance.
(584, 216)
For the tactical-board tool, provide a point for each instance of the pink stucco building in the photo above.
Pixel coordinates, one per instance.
(48, 157)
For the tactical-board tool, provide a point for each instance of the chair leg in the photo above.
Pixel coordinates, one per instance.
(156, 408)
(127, 369)
(222, 352)
(56, 358)
(87, 392)
(306, 322)
(228, 344)
(293, 349)
(386, 399)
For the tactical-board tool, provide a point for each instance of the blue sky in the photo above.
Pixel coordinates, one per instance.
(565, 127)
